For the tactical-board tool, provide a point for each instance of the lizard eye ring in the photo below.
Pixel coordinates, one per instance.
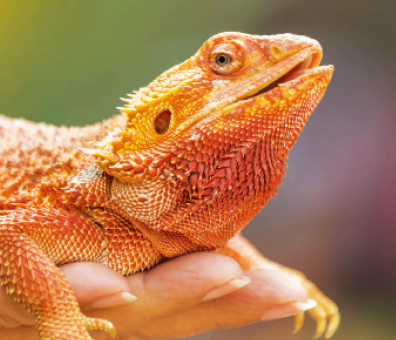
(226, 58)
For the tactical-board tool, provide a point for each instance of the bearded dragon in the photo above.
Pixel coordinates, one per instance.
(187, 163)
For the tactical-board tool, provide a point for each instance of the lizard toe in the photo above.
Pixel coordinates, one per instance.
(298, 322)
(326, 315)
(94, 324)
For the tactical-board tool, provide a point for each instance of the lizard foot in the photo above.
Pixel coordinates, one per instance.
(72, 328)
(94, 324)
(325, 313)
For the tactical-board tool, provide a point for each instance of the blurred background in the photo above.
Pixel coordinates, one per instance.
(68, 62)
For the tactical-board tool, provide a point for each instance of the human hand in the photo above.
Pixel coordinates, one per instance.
(185, 296)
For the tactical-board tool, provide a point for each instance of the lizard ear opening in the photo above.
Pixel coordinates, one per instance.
(162, 122)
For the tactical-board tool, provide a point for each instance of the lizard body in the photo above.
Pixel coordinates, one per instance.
(188, 162)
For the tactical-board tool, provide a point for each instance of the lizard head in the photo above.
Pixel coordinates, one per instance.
(203, 147)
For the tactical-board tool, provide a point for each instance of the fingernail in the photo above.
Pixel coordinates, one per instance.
(288, 309)
(113, 300)
(227, 288)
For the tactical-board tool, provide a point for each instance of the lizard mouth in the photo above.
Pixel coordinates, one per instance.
(306, 63)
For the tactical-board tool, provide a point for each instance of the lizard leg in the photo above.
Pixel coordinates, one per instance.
(325, 313)
(33, 280)
(125, 248)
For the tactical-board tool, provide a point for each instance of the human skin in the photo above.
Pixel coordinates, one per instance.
(170, 294)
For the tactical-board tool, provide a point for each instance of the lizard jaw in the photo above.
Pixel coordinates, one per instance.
(303, 64)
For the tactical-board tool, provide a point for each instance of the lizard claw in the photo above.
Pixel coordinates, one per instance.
(334, 322)
(325, 314)
(298, 322)
(321, 322)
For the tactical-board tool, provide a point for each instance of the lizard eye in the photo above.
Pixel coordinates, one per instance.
(162, 122)
(226, 58)
(223, 60)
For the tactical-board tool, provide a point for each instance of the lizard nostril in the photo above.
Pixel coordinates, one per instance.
(162, 122)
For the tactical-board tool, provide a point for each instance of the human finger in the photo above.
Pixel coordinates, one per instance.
(271, 294)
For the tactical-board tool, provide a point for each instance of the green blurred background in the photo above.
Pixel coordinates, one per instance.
(68, 62)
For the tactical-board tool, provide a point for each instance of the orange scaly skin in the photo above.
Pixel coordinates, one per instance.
(190, 160)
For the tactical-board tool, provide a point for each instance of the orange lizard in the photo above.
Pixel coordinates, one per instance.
(189, 161)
